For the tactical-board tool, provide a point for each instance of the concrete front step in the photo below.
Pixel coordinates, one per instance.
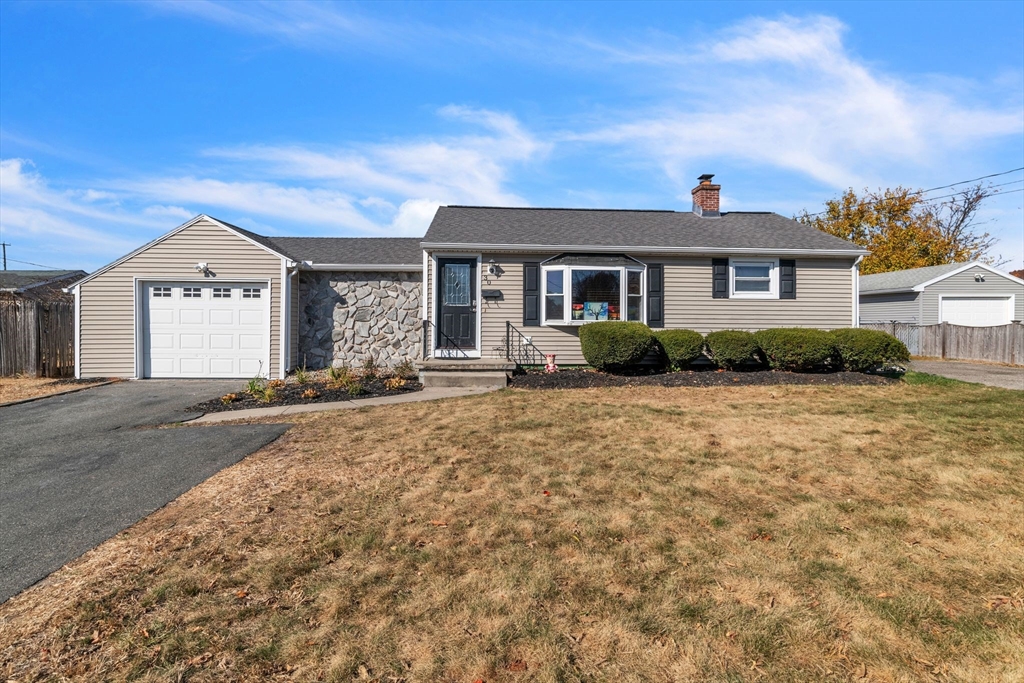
(439, 372)
(474, 378)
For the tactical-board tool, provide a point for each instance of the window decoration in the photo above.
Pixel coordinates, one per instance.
(192, 292)
(161, 292)
(456, 284)
(221, 292)
(250, 292)
(754, 279)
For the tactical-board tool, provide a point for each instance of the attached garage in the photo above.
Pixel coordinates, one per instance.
(208, 299)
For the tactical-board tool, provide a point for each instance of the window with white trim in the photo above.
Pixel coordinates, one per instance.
(250, 292)
(161, 292)
(577, 294)
(192, 292)
(754, 279)
(221, 292)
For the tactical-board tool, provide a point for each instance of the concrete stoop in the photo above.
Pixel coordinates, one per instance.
(465, 373)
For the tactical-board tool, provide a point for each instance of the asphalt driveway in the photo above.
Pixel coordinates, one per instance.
(983, 373)
(79, 468)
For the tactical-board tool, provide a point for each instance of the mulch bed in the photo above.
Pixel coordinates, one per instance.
(587, 378)
(291, 394)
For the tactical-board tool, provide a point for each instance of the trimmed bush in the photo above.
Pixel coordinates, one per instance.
(614, 345)
(866, 350)
(797, 348)
(679, 348)
(733, 348)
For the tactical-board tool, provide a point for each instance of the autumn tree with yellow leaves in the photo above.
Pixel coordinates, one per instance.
(903, 230)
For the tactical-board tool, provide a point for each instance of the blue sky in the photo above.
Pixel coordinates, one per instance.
(119, 121)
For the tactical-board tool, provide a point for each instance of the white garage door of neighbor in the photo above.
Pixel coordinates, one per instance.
(973, 311)
(196, 329)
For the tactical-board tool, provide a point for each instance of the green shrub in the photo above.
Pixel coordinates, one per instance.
(679, 348)
(613, 345)
(733, 348)
(796, 348)
(866, 350)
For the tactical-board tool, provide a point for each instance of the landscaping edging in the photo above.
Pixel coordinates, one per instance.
(587, 378)
(291, 395)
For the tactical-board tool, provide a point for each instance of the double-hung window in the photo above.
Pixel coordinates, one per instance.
(576, 293)
(754, 279)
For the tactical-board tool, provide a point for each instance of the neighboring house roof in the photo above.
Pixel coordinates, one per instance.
(916, 279)
(38, 284)
(364, 251)
(577, 229)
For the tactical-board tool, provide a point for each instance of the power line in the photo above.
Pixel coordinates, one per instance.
(39, 265)
(942, 187)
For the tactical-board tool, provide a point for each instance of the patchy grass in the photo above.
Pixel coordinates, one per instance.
(913, 377)
(18, 387)
(654, 534)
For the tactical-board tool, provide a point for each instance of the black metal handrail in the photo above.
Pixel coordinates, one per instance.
(520, 350)
(429, 329)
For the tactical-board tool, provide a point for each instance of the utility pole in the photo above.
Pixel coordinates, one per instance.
(5, 245)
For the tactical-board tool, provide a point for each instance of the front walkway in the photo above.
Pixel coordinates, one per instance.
(1003, 376)
(426, 394)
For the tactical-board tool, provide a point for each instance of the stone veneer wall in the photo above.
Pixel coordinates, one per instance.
(346, 317)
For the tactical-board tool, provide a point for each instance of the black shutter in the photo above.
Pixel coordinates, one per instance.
(787, 279)
(655, 295)
(531, 294)
(720, 278)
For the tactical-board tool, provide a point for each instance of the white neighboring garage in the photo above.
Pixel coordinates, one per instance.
(205, 300)
(971, 294)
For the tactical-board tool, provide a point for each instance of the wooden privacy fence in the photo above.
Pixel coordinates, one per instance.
(37, 339)
(999, 344)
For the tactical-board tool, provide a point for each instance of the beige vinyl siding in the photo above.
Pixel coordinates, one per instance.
(963, 284)
(824, 300)
(108, 301)
(903, 307)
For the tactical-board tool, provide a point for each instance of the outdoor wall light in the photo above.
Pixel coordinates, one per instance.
(203, 268)
(978, 277)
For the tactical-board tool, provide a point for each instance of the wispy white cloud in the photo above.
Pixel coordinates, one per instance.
(57, 221)
(787, 93)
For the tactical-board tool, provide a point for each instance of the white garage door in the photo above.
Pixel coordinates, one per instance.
(195, 329)
(974, 311)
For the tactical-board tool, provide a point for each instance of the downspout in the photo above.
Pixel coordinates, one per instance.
(856, 291)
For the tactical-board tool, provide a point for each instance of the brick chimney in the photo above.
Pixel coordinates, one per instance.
(705, 197)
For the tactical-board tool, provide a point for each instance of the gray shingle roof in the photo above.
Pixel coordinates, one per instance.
(904, 279)
(351, 250)
(626, 228)
(16, 279)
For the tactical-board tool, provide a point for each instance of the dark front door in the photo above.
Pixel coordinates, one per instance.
(456, 303)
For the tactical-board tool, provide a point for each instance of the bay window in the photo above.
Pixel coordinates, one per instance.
(577, 293)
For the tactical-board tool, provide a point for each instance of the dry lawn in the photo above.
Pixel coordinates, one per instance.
(18, 388)
(738, 534)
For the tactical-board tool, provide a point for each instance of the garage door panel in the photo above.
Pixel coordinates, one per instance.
(191, 316)
(976, 311)
(224, 367)
(222, 341)
(204, 334)
(250, 317)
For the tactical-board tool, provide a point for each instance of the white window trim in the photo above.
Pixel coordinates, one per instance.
(773, 278)
(566, 319)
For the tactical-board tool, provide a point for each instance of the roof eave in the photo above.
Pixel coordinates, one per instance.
(642, 249)
(410, 267)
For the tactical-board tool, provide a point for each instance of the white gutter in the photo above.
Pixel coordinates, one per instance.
(462, 246)
(403, 267)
